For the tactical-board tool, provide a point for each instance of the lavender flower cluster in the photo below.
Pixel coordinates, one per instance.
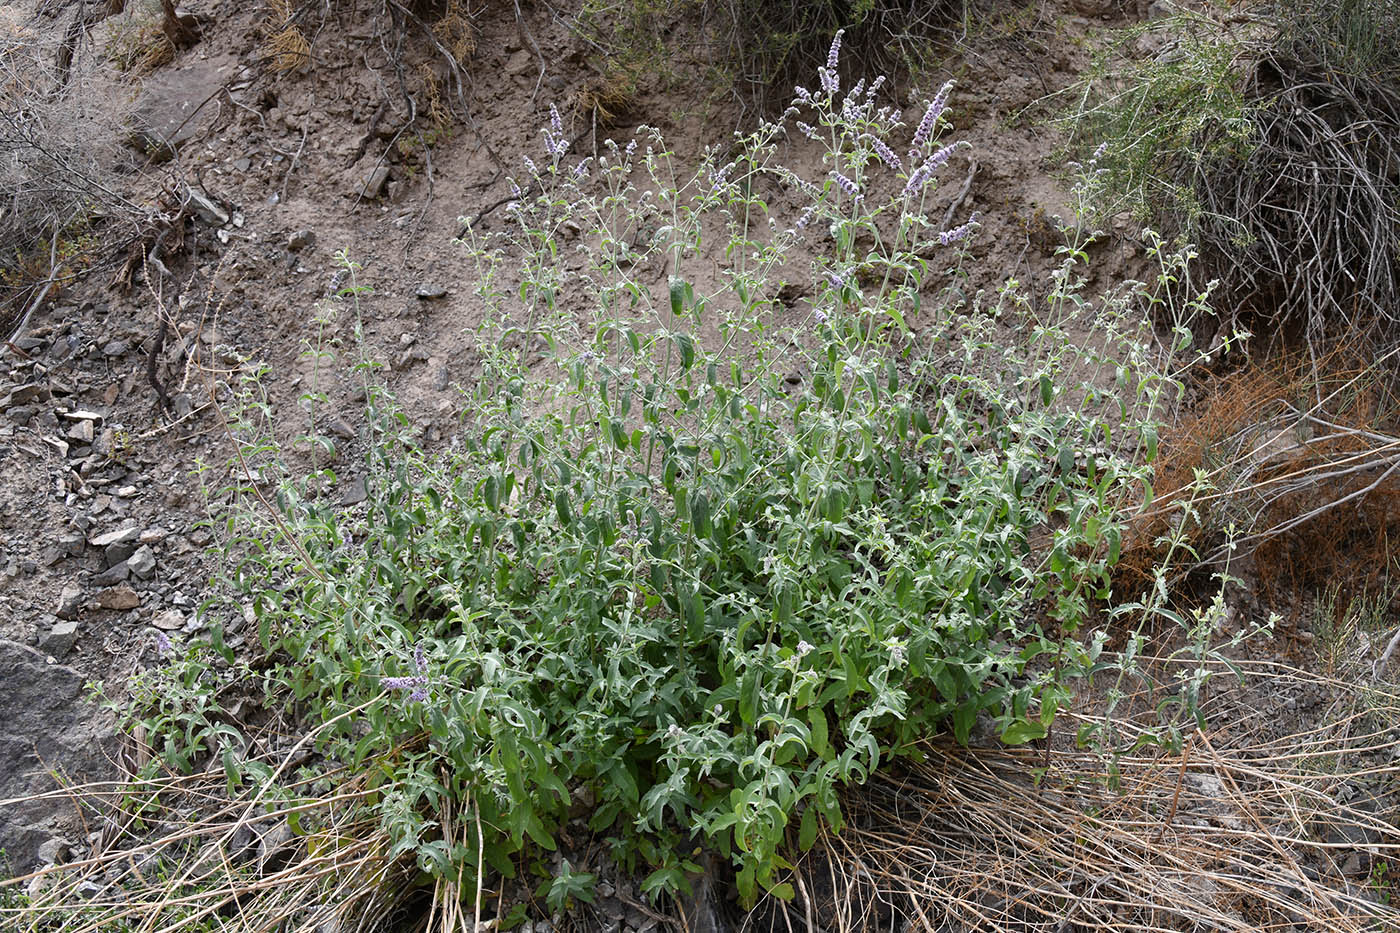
(959, 232)
(554, 142)
(418, 682)
(858, 109)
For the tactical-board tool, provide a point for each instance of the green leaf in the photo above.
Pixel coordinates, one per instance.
(820, 737)
(687, 348)
(678, 287)
(1022, 731)
(700, 514)
(561, 506)
(807, 833)
(1065, 460)
(963, 718)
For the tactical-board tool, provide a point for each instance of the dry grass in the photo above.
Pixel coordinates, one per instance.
(1266, 820)
(198, 853)
(1251, 827)
(1301, 456)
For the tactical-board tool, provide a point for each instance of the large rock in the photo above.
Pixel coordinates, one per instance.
(176, 105)
(48, 727)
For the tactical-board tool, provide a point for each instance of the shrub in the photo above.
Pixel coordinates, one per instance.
(720, 550)
(59, 134)
(758, 48)
(1270, 142)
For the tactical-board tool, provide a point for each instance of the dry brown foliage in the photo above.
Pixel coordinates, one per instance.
(285, 47)
(1300, 458)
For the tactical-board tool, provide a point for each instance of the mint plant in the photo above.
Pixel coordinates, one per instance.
(718, 540)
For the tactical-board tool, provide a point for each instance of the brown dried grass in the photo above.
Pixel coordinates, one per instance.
(1250, 827)
(1256, 824)
(1294, 462)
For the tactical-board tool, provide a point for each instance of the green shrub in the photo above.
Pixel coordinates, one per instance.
(1266, 135)
(719, 551)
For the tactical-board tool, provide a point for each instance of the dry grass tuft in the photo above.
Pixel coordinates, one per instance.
(1251, 827)
(286, 47)
(198, 853)
(1301, 457)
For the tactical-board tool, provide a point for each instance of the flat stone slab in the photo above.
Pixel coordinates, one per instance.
(48, 727)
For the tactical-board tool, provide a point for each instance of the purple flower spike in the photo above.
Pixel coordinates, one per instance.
(931, 115)
(885, 153)
(806, 217)
(530, 164)
(845, 183)
(835, 279)
(163, 645)
(819, 315)
(418, 683)
(921, 176)
(554, 122)
(831, 83)
(958, 232)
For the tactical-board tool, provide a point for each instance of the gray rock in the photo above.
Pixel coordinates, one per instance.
(340, 428)
(169, 114)
(431, 292)
(113, 574)
(355, 493)
(47, 724)
(171, 620)
(120, 536)
(277, 837)
(80, 432)
(209, 210)
(70, 602)
(116, 553)
(58, 641)
(438, 371)
(302, 239)
(143, 562)
(21, 395)
(54, 851)
(374, 181)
